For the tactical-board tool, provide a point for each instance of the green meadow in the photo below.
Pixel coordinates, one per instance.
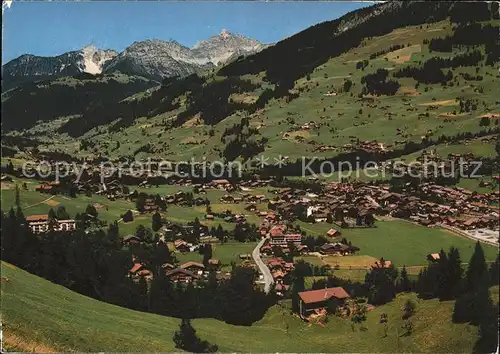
(41, 316)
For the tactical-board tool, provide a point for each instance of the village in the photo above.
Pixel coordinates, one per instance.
(280, 211)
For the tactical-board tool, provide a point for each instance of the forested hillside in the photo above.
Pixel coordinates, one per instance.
(399, 73)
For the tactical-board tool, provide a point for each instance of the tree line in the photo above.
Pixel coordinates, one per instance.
(93, 261)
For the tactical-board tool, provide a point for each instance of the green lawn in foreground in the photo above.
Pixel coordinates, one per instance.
(402, 242)
(41, 312)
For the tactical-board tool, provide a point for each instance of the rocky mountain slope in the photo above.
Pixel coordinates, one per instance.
(220, 49)
(154, 59)
(157, 59)
(29, 67)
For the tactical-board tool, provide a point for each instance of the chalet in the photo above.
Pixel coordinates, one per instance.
(245, 257)
(181, 245)
(277, 230)
(321, 298)
(275, 263)
(44, 188)
(131, 240)
(229, 218)
(180, 275)
(333, 233)
(220, 183)
(214, 264)
(283, 239)
(227, 199)
(281, 289)
(391, 198)
(194, 267)
(433, 257)
(302, 248)
(251, 207)
(40, 223)
(266, 249)
(320, 216)
(168, 266)
(337, 248)
(6, 178)
(138, 270)
(278, 276)
(381, 264)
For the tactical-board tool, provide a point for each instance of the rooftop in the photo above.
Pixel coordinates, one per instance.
(319, 295)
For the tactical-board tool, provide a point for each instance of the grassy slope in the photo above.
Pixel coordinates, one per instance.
(402, 242)
(51, 317)
(340, 113)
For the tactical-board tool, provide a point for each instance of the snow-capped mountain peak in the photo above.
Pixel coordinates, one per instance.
(94, 59)
(152, 58)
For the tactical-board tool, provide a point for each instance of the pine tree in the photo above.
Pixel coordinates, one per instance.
(381, 284)
(408, 309)
(52, 219)
(297, 287)
(140, 202)
(207, 253)
(455, 272)
(91, 210)
(18, 198)
(404, 282)
(443, 280)
(113, 234)
(161, 294)
(477, 267)
(187, 340)
(494, 272)
(463, 308)
(238, 297)
(220, 234)
(61, 213)
(156, 222)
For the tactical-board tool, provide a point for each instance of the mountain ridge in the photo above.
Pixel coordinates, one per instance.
(152, 58)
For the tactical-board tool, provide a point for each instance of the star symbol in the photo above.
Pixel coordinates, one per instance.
(262, 161)
(280, 161)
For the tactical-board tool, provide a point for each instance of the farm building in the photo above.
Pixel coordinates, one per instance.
(321, 298)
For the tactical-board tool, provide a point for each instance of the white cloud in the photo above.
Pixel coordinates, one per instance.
(6, 4)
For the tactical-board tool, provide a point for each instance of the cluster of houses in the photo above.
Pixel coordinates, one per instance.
(433, 204)
(370, 146)
(189, 272)
(279, 271)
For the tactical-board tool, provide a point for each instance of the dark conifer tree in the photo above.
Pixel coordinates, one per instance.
(404, 284)
(186, 339)
(477, 267)
(156, 221)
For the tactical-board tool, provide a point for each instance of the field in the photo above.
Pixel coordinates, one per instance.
(401, 242)
(225, 253)
(41, 316)
(33, 202)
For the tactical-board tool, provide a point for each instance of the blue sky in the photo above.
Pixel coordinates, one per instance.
(52, 28)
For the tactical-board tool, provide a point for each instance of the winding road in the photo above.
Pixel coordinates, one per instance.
(268, 278)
